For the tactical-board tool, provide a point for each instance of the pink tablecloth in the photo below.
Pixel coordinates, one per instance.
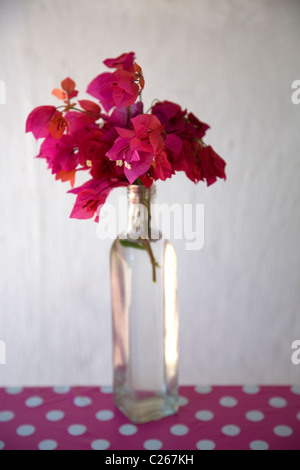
(209, 418)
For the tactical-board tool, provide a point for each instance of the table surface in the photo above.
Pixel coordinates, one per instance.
(220, 417)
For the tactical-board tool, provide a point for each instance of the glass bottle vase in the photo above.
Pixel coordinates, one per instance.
(145, 315)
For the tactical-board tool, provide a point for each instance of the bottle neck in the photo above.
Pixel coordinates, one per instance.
(140, 220)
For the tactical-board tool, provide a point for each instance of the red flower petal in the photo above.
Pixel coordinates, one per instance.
(124, 61)
(68, 85)
(90, 106)
(60, 94)
(57, 126)
(39, 119)
(66, 176)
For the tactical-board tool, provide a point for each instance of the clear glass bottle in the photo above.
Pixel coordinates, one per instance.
(145, 315)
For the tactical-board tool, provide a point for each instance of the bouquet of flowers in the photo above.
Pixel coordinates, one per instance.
(116, 142)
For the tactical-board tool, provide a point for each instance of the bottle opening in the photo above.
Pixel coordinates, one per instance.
(140, 194)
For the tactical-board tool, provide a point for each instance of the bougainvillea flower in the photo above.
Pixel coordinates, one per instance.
(177, 121)
(137, 147)
(68, 90)
(114, 89)
(91, 107)
(60, 94)
(121, 87)
(211, 164)
(124, 61)
(39, 120)
(120, 117)
(146, 180)
(92, 195)
(174, 146)
(148, 126)
(92, 153)
(57, 125)
(189, 162)
(137, 168)
(199, 126)
(139, 75)
(78, 121)
(161, 168)
(168, 113)
(66, 176)
(60, 154)
(120, 147)
(68, 85)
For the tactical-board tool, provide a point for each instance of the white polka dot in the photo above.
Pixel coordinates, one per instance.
(203, 389)
(255, 416)
(14, 390)
(283, 431)
(179, 430)
(153, 444)
(127, 429)
(228, 402)
(205, 445)
(106, 389)
(26, 430)
(277, 402)
(55, 415)
(296, 389)
(100, 444)
(298, 416)
(6, 416)
(33, 402)
(231, 430)
(251, 389)
(82, 402)
(61, 390)
(76, 429)
(104, 415)
(204, 415)
(48, 445)
(259, 445)
(183, 401)
(2, 445)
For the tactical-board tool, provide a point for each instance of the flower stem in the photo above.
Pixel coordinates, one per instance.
(153, 261)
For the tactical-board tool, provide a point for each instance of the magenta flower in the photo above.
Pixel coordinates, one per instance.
(120, 88)
(211, 164)
(92, 151)
(161, 168)
(120, 117)
(39, 120)
(177, 121)
(114, 89)
(124, 61)
(60, 154)
(92, 195)
(135, 148)
(124, 146)
(80, 123)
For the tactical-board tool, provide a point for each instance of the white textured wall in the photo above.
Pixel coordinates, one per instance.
(232, 63)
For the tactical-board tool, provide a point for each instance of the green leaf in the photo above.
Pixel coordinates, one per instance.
(129, 244)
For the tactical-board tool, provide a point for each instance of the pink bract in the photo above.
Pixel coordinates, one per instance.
(115, 142)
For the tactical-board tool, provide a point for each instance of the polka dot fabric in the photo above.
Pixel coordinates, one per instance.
(210, 418)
